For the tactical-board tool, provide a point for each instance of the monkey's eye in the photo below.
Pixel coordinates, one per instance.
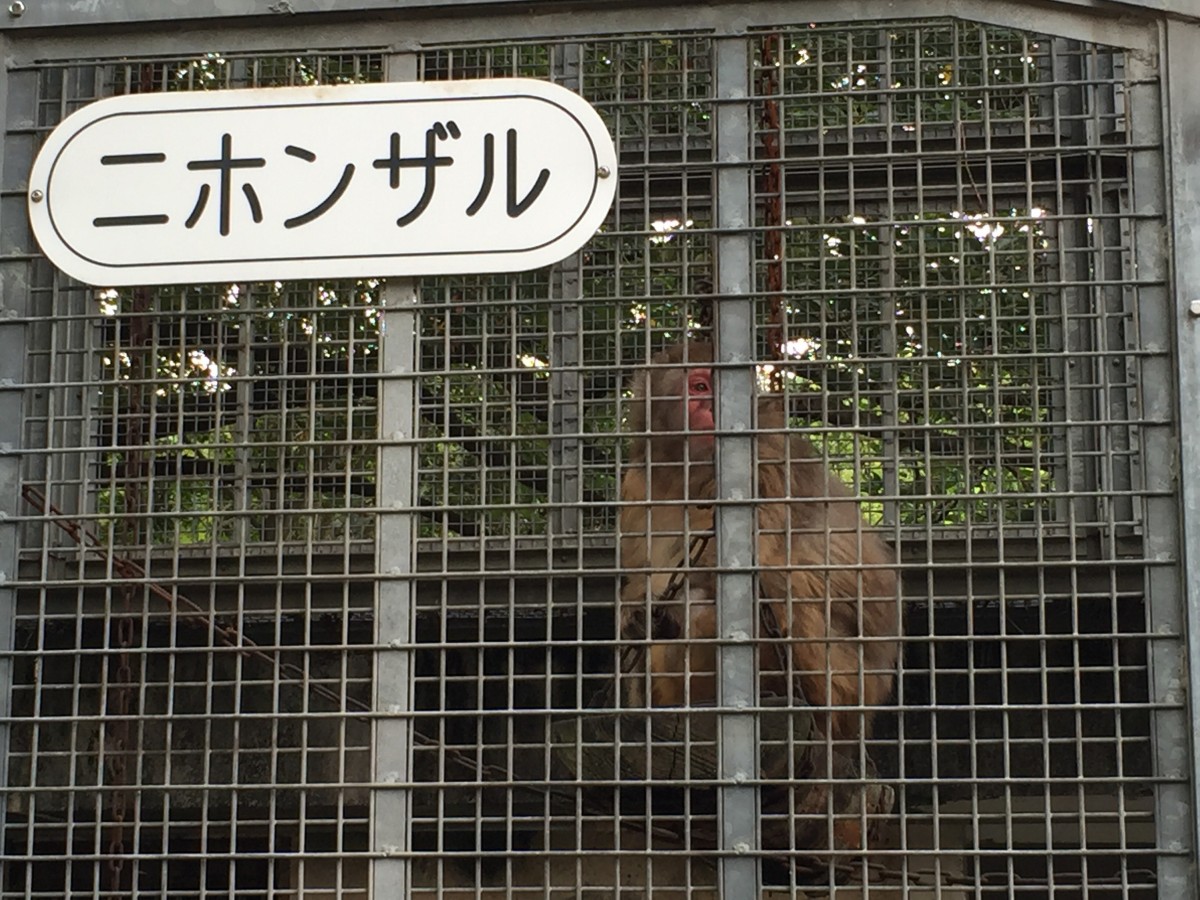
(701, 386)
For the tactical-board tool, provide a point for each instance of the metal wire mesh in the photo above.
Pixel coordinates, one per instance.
(945, 258)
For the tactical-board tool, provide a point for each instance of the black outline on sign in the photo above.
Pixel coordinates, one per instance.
(208, 263)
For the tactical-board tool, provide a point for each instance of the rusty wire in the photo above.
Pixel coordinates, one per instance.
(225, 634)
(120, 749)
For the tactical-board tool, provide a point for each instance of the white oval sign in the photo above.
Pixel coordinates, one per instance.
(402, 178)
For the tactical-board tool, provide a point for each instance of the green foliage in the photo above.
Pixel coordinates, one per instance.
(514, 60)
(920, 332)
(650, 88)
(483, 405)
(937, 333)
(225, 406)
(938, 72)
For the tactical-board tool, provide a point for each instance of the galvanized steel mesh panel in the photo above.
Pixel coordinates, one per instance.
(946, 222)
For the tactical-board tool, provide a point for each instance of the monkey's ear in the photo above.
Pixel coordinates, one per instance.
(688, 351)
(634, 414)
(699, 351)
(772, 410)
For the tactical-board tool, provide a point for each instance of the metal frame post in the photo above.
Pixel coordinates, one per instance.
(48, 14)
(1178, 808)
(565, 379)
(740, 875)
(391, 798)
(14, 295)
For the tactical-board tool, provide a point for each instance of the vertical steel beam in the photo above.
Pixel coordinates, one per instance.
(1178, 807)
(1170, 728)
(391, 801)
(14, 296)
(735, 526)
(566, 413)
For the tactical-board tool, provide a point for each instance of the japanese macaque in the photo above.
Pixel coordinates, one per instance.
(825, 581)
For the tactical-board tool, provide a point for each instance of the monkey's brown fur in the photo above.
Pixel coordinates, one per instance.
(824, 577)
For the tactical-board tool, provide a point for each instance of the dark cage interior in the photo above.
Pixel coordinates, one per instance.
(320, 584)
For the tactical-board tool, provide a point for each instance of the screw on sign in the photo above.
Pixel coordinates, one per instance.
(352, 180)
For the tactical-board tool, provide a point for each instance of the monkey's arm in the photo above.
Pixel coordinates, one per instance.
(826, 603)
(653, 556)
(634, 527)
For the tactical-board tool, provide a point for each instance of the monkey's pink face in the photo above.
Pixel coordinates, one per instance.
(701, 422)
